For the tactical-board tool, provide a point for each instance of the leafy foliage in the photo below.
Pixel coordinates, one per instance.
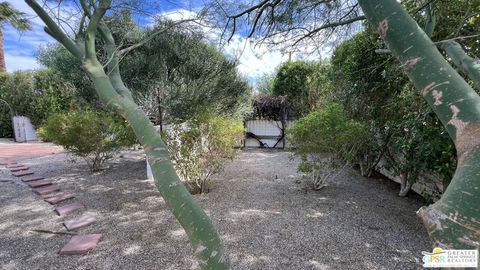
(16, 18)
(52, 95)
(16, 97)
(270, 107)
(324, 140)
(182, 73)
(58, 60)
(92, 135)
(175, 76)
(200, 147)
(37, 95)
(373, 90)
(291, 81)
(264, 84)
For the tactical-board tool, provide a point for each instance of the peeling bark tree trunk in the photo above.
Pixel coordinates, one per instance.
(454, 220)
(3, 65)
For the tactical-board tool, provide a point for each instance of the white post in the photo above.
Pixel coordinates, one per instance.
(149, 169)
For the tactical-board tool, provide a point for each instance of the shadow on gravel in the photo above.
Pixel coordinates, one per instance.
(265, 219)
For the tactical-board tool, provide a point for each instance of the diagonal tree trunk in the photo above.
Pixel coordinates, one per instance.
(3, 65)
(454, 220)
(114, 94)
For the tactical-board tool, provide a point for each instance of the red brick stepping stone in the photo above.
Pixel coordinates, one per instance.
(22, 173)
(10, 165)
(81, 244)
(49, 195)
(84, 220)
(69, 208)
(7, 162)
(29, 178)
(23, 168)
(46, 190)
(39, 183)
(60, 198)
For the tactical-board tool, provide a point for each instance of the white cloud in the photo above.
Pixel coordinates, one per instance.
(179, 14)
(254, 60)
(15, 62)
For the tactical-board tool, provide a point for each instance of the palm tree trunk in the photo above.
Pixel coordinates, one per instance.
(3, 65)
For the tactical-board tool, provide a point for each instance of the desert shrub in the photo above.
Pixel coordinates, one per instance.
(200, 147)
(92, 135)
(325, 140)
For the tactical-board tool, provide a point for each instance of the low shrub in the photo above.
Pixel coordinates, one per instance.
(199, 148)
(92, 135)
(325, 140)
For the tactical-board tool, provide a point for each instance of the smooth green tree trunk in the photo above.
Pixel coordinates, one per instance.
(113, 93)
(463, 61)
(454, 220)
(203, 237)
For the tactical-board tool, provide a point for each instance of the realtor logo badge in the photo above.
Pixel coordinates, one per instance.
(450, 258)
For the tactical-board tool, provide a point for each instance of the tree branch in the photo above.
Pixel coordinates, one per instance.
(153, 35)
(113, 62)
(462, 60)
(54, 30)
(248, 10)
(95, 18)
(259, 15)
(329, 25)
(430, 21)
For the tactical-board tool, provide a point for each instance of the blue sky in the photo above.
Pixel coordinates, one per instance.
(21, 47)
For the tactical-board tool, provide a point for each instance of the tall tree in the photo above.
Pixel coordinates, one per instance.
(91, 34)
(182, 76)
(174, 77)
(454, 220)
(291, 81)
(17, 19)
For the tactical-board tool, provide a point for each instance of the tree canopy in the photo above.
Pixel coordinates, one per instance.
(291, 81)
(176, 73)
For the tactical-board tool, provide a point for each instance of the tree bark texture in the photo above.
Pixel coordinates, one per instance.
(454, 220)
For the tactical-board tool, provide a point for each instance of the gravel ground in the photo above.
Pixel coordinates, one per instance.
(265, 219)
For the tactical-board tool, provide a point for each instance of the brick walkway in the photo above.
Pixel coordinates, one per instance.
(18, 151)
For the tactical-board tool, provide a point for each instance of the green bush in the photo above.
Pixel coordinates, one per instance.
(291, 81)
(407, 138)
(94, 136)
(199, 148)
(325, 140)
(17, 98)
(36, 95)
